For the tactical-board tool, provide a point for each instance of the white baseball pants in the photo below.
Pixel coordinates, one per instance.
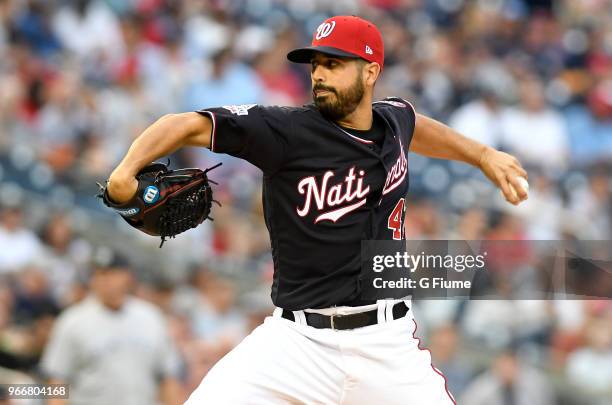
(287, 362)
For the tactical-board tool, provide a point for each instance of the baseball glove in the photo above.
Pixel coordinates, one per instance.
(167, 202)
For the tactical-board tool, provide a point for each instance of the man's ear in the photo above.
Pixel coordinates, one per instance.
(371, 73)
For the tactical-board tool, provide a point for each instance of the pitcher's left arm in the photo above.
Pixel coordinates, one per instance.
(434, 139)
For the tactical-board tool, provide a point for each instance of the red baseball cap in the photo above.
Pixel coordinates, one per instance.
(343, 35)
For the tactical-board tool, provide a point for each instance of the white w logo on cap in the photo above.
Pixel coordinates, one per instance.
(324, 30)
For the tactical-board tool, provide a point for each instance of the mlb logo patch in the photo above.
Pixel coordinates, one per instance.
(242, 109)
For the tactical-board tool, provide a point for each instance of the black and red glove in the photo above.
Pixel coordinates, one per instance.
(167, 202)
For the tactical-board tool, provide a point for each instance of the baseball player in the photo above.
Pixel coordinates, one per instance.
(334, 173)
(112, 348)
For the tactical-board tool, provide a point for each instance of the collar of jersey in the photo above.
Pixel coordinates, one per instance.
(358, 139)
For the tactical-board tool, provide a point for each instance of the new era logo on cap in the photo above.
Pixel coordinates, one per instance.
(346, 36)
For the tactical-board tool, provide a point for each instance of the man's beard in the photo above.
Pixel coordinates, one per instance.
(344, 102)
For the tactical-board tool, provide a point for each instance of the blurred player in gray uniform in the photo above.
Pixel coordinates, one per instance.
(112, 348)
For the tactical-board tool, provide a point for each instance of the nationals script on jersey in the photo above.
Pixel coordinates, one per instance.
(324, 191)
(329, 198)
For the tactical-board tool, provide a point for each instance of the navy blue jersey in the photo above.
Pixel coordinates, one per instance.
(324, 191)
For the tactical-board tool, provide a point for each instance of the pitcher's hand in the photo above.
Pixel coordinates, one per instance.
(503, 170)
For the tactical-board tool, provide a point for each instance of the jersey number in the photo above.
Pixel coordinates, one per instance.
(395, 220)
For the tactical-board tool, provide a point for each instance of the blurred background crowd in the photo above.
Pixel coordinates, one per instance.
(80, 79)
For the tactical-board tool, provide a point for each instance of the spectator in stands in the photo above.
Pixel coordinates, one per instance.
(33, 27)
(590, 368)
(4, 17)
(206, 312)
(230, 82)
(90, 30)
(27, 312)
(32, 295)
(472, 225)
(424, 220)
(62, 121)
(112, 348)
(590, 207)
(212, 311)
(64, 258)
(536, 133)
(480, 118)
(445, 346)
(20, 246)
(510, 381)
(545, 216)
(282, 85)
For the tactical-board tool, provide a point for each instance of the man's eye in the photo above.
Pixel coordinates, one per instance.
(329, 64)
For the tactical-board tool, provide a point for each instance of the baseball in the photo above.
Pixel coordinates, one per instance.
(524, 184)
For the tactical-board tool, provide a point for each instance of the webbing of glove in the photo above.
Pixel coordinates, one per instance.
(185, 211)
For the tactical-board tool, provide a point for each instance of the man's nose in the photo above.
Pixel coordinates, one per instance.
(318, 75)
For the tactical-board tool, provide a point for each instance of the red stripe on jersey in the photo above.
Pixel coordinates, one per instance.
(214, 129)
(450, 396)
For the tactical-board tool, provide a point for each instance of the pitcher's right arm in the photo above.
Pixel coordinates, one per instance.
(168, 134)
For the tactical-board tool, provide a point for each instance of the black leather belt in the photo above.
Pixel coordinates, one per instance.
(343, 322)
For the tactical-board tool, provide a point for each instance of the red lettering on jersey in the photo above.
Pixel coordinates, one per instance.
(398, 172)
(333, 196)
